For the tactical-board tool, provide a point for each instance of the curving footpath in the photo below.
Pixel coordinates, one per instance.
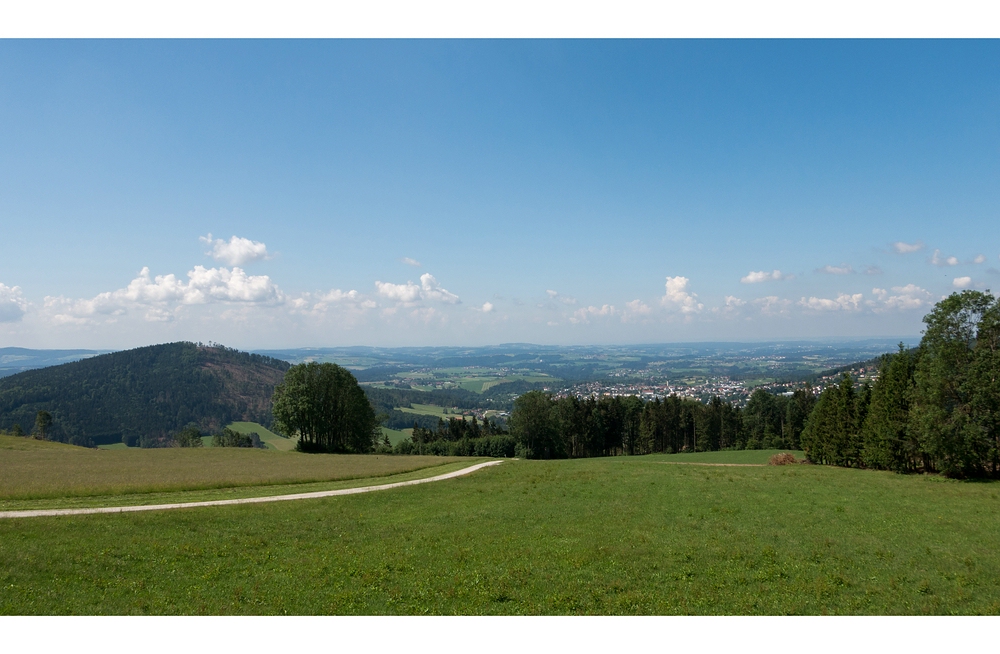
(248, 500)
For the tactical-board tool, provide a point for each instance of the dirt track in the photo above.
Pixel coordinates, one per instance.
(249, 500)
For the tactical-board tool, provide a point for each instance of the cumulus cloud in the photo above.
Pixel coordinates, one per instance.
(980, 259)
(962, 282)
(585, 314)
(351, 300)
(487, 307)
(635, 310)
(906, 248)
(204, 285)
(843, 302)
(410, 262)
(772, 305)
(410, 293)
(13, 306)
(938, 260)
(842, 269)
(556, 296)
(902, 298)
(677, 296)
(731, 307)
(237, 251)
(763, 276)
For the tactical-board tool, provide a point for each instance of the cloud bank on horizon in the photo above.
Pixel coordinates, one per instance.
(229, 295)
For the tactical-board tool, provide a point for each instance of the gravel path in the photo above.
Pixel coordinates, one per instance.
(248, 500)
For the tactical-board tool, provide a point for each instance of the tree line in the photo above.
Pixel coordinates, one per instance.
(934, 408)
(571, 427)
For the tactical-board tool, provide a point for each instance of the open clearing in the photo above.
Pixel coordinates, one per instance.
(268, 437)
(620, 535)
(31, 469)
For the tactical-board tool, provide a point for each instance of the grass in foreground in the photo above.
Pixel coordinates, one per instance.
(605, 536)
(31, 469)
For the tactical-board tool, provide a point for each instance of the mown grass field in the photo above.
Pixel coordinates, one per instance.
(432, 410)
(594, 536)
(740, 457)
(268, 437)
(396, 435)
(31, 469)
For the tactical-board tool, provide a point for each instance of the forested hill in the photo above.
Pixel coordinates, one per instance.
(143, 396)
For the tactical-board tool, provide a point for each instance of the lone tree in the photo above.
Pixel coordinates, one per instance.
(325, 406)
(43, 420)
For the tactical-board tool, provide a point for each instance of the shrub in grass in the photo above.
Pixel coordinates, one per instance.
(782, 459)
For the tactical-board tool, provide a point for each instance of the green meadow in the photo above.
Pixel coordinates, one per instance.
(622, 535)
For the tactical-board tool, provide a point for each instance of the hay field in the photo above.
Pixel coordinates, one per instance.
(36, 469)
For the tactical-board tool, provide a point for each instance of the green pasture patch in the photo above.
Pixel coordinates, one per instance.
(268, 437)
(29, 471)
(726, 456)
(396, 435)
(113, 446)
(236, 492)
(432, 410)
(588, 536)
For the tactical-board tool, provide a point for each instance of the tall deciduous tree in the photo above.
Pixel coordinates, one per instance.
(323, 404)
(954, 403)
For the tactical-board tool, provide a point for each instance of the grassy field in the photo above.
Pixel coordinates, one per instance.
(624, 535)
(268, 437)
(396, 435)
(731, 456)
(431, 410)
(31, 469)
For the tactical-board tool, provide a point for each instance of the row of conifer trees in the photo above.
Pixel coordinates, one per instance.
(934, 408)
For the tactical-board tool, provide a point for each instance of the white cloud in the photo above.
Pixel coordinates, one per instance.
(961, 282)
(843, 302)
(906, 248)
(410, 293)
(980, 259)
(204, 286)
(764, 276)
(13, 306)
(565, 299)
(772, 305)
(585, 314)
(487, 307)
(678, 297)
(732, 307)
(906, 297)
(842, 269)
(938, 260)
(237, 251)
(635, 310)
(350, 300)
(410, 262)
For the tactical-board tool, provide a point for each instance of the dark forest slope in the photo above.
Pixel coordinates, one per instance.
(143, 395)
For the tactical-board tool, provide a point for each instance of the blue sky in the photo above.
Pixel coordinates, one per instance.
(542, 191)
